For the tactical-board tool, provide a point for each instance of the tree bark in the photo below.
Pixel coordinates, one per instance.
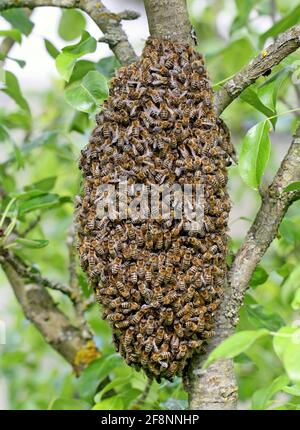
(69, 341)
(168, 19)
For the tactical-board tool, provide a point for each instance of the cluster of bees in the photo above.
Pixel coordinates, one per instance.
(158, 282)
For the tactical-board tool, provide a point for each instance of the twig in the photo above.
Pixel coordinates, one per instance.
(24, 272)
(108, 22)
(30, 227)
(286, 43)
(143, 397)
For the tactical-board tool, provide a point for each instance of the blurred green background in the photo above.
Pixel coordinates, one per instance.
(42, 131)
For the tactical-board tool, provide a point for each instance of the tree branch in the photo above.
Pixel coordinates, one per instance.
(169, 19)
(69, 341)
(108, 22)
(286, 43)
(215, 388)
(274, 206)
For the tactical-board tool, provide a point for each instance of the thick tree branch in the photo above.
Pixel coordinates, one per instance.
(169, 19)
(274, 206)
(108, 22)
(69, 341)
(286, 43)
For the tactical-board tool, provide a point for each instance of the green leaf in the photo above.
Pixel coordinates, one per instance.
(81, 68)
(80, 122)
(32, 243)
(62, 404)
(107, 66)
(291, 358)
(235, 345)
(268, 91)
(13, 33)
(44, 185)
(259, 318)
(259, 277)
(251, 97)
(115, 383)
(88, 95)
(21, 63)
(71, 24)
(294, 186)
(296, 300)
(290, 285)
(51, 49)
(283, 24)
(45, 201)
(282, 339)
(86, 45)
(95, 373)
(293, 390)
(18, 19)
(66, 60)
(255, 154)
(289, 230)
(112, 404)
(12, 89)
(261, 397)
(4, 134)
(65, 64)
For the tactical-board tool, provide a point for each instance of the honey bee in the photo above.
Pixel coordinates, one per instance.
(172, 370)
(110, 291)
(122, 289)
(169, 297)
(191, 326)
(168, 273)
(170, 61)
(207, 276)
(186, 261)
(128, 338)
(114, 317)
(115, 303)
(122, 324)
(164, 352)
(145, 292)
(149, 344)
(169, 316)
(178, 329)
(150, 324)
(159, 336)
(148, 273)
(133, 273)
(183, 349)
(187, 309)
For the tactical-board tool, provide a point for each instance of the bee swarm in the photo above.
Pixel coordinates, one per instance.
(158, 283)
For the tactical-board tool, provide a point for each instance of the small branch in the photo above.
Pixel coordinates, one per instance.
(169, 19)
(143, 397)
(56, 328)
(286, 43)
(30, 227)
(24, 271)
(108, 22)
